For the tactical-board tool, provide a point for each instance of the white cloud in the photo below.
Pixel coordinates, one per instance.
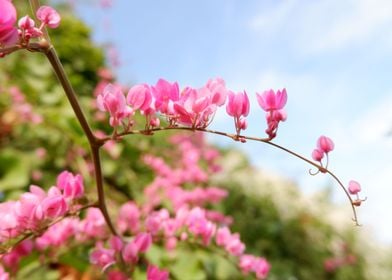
(322, 26)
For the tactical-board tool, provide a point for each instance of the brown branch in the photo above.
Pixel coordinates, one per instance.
(236, 137)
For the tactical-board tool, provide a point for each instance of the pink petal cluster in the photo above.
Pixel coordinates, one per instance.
(231, 242)
(27, 29)
(8, 31)
(192, 107)
(33, 210)
(273, 103)
(140, 244)
(259, 266)
(324, 146)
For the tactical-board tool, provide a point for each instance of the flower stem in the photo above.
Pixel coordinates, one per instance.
(235, 137)
(93, 141)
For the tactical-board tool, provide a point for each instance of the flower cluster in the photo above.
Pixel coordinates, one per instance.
(36, 209)
(190, 107)
(169, 214)
(9, 34)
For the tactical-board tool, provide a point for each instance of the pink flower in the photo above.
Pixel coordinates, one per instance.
(195, 107)
(26, 23)
(317, 155)
(218, 89)
(261, 268)
(237, 107)
(71, 185)
(117, 275)
(246, 263)
(165, 94)
(269, 101)
(54, 204)
(153, 273)
(27, 26)
(102, 257)
(354, 187)
(112, 100)
(140, 97)
(8, 33)
(273, 104)
(48, 16)
(129, 218)
(130, 252)
(143, 241)
(325, 144)
(238, 104)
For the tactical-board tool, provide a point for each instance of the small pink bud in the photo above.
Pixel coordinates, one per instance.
(325, 144)
(354, 187)
(317, 155)
(243, 124)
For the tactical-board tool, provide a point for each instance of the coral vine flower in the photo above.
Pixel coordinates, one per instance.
(112, 100)
(154, 273)
(72, 185)
(165, 93)
(354, 187)
(317, 155)
(325, 144)
(237, 107)
(8, 33)
(218, 89)
(238, 104)
(273, 104)
(139, 97)
(271, 101)
(48, 16)
(195, 107)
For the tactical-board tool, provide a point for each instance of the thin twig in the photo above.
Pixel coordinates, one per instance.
(235, 137)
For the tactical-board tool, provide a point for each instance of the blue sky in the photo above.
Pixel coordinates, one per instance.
(333, 56)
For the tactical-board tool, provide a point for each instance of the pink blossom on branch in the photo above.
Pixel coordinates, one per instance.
(48, 16)
(354, 187)
(273, 104)
(325, 144)
(271, 101)
(8, 32)
(237, 107)
(112, 100)
(71, 185)
(154, 273)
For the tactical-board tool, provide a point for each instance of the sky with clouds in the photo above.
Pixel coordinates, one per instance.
(334, 57)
